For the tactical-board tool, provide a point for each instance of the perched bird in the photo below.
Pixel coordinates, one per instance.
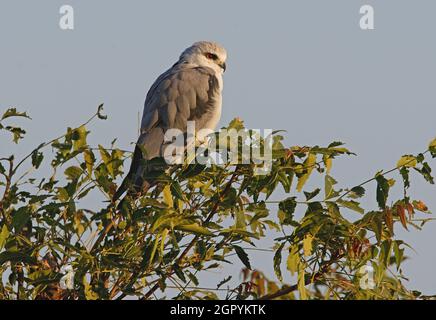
(191, 90)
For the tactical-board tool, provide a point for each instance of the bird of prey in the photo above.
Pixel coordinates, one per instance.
(191, 90)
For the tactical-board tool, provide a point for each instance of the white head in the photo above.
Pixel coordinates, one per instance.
(206, 54)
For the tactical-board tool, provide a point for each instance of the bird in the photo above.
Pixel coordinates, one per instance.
(191, 90)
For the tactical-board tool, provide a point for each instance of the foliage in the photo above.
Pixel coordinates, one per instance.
(198, 218)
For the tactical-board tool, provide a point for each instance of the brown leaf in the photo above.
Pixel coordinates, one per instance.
(419, 205)
(401, 212)
(289, 154)
(389, 220)
(245, 273)
(410, 210)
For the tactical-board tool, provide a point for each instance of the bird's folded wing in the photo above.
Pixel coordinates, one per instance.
(179, 95)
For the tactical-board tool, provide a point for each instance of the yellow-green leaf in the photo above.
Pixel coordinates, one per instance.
(79, 138)
(153, 252)
(89, 294)
(62, 194)
(353, 205)
(162, 241)
(328, 164)
(407, 161)
(73, 172)
(293, 260)
(195, 228)
(302, 282)
(240, 220)
(307, 244)
(89, 161)
(167, 196)
(4, 234)
(105, 156)
(309, 165)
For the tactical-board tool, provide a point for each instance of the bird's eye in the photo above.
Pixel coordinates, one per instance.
(211, 56)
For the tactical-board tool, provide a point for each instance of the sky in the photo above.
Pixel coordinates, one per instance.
(303, 66)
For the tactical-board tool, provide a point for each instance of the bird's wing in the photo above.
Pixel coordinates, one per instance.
(179, 95)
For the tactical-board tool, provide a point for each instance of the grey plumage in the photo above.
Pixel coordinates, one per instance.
(189, 91)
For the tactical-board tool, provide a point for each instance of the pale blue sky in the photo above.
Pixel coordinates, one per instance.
(304, 66)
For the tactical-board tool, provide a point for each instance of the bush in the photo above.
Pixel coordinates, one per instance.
(52, 247)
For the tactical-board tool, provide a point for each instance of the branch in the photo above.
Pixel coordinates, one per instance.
(45, 144)
(382, 174)
(192, 243)
(315, 277)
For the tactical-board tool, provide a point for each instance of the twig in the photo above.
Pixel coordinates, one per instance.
(382, 174)
(310, 280)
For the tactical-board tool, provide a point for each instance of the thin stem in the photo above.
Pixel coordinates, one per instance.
(381, 174)
(45, 144)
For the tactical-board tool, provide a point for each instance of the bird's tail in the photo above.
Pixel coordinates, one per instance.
(131, 195)
(121, 189)
(132, 190)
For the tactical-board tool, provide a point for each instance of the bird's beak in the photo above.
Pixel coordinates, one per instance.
(224, 66)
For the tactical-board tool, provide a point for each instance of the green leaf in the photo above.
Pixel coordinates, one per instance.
(311, 195)
(192, 277)
(425, 171)
(399, 253)
(329, 182)
(62, 194)
(192, 170)
(194, 228)
(353, 205)
(241, 232)
(377, 227)
(278, 261)
(405, 175)
(357, 192)
(240, 222)
(382, 191)
(287, 207)
(176, 191)
(12, 112)
(17, 133)
(15, 257)
(223, 282)
(37, 158)
(20, 218)
(73, 173)
(178, 271)
(243, 256)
